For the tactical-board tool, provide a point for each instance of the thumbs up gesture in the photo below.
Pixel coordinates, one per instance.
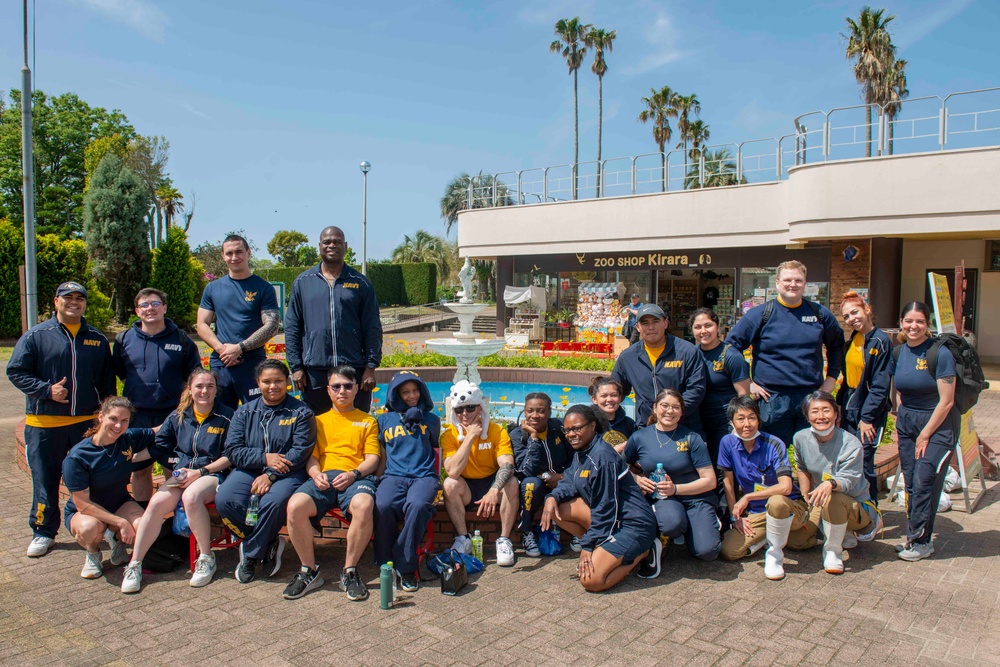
(58, 392)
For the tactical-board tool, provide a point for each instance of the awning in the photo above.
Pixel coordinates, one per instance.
(515, 296)
(603, 289)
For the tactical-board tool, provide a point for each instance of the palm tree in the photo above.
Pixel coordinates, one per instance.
(660, 109)
(894, 91)
(600, 40)
(870, 47)
(698, 133)
(456, 196)
(425, 247)
(686, 105)
(720, 169)
(170, 200)
(570, 45)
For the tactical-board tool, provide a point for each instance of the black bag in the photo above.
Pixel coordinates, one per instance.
(454, 577)
(628, 329)
(969, 378)
(168, 551)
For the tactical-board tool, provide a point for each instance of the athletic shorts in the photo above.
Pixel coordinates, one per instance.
(327, 500)
(479, 488)
(68, 516)
(628, 545)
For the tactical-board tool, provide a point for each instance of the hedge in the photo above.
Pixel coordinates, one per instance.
(11, 257)
(395, 284)
(282, 274)
(419, 282)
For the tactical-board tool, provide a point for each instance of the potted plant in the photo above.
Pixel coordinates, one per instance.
(564, 317)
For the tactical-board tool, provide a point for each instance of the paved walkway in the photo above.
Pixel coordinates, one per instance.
(881, 612)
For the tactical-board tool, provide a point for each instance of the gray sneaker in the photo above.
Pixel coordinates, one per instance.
(92, 566)
(39, 546)
(915, 552)
(132, 579)
(119, 550)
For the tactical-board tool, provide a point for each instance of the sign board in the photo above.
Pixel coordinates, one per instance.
(943, 311)
(279, 294)
(862, 292)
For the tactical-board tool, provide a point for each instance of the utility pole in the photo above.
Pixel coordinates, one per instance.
(28, 188)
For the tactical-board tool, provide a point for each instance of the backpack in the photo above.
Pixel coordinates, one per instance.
(168, 551)
(969, 378)
(768, 311)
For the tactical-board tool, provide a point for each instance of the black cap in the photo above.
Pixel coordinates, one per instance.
(70, 287)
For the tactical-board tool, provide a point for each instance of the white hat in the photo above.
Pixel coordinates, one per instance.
(464, 392)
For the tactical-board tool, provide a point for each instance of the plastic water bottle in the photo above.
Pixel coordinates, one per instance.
(252, 510)
(477, 546)
(395, 582)
(180, 475)
(657, 476)
(386, 586)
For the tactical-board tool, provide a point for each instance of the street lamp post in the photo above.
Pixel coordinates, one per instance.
(28, 189)
(365, 168)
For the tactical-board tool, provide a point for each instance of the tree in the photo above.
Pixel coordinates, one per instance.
(11, 257)
(147, 157)
(209, 255)
(659, 110)
(456, 196)
(170, 200)
(571, 33)
(351, 257)
(600, 40)
(424, 247)
(894, 91)
(63, 126)
(175, 275)
(720, 169)
(98, 148)
(698, 133)
(870, 48)
(686, 105)
(309, 256)
(117, 237)
(286, 246)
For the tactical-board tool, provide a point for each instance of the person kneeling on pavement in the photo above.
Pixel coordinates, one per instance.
(540, 456)
(409, 431)
(479, 460)
(269, 441)
(341, 471)
(832, 479)
(757, 464)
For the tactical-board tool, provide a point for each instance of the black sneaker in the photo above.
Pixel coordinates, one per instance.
(351, 582)
(302, 583)
(409, 582)
(649, 568)
(247, 569)
(272, 561)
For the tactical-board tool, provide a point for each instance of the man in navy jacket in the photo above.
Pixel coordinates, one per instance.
(332, 320)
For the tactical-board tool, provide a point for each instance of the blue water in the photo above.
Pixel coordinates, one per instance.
(506, 399)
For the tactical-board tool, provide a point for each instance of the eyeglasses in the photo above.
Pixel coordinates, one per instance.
(346, 386)
(576, 429)
(666, 407)
(149, 304)
(462, 409)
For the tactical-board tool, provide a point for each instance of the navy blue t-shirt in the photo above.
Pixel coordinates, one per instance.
(238, 305)
(758, 469)
(721, 373)
(917, 389)
(409, 454)
(106, 471)
(681, 454)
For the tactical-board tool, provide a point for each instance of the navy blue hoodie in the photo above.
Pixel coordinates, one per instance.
(328, 326)
(532, 457)
(602, 479)
(288, 428)
(869, 403)
(182, 442)
(154, 368)
(409, 454)
(47, 353)
(680, 366)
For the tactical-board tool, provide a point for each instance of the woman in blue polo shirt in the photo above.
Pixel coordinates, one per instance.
(191, 439)
(927, 424)
(685, 503)
(97, 472)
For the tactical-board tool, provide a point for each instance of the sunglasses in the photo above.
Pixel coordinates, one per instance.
(346, 386)
(462, 409)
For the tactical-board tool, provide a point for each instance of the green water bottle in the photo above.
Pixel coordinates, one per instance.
(477, 546)
(385, 577)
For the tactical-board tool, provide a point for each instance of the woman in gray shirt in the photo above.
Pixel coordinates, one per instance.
(831, 477)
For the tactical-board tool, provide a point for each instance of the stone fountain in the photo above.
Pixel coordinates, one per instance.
(464, 346)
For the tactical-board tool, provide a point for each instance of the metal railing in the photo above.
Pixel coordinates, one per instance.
(968, 119)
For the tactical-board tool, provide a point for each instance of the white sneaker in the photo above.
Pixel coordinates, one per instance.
(39, 546)
(462, 544)
(869, 534)
(132, 579)
(530, 544)
(505, 552)
(92, 568)
(204, 570)
(119, 550)
(576, 545)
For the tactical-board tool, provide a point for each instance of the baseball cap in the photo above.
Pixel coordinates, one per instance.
(70, 287)
(650, 309)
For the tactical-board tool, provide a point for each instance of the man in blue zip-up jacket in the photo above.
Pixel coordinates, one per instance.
(661, 361)
(63, 366)
(332, 320)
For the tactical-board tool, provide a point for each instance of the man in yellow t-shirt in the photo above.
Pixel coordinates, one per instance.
(63, 367)
(341, 471)
(478, 457)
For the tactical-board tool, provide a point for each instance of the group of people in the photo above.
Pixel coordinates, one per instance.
(705, 462)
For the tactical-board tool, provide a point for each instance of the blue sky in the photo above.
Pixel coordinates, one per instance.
(270, 107)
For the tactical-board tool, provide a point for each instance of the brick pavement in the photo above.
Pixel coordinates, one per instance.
(882, 611)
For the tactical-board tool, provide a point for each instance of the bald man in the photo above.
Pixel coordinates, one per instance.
(332, 320)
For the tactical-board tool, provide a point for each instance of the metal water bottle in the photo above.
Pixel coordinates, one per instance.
(385, 586)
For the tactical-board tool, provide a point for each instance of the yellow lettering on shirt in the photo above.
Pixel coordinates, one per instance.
(654, 353)
(673, 364)
(350, 285)
(216, 430)
(584, 473)
(92, 342)
(287, 422)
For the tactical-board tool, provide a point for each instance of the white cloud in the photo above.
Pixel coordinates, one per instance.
(914, 31)
(191, 109)
(141, 15)
(662, 39)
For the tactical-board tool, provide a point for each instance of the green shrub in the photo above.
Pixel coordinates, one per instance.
(282, 274)
(406, 355)
(11, 257)
(174, 275)
(419, 283)
(387, 279)
(446, 293)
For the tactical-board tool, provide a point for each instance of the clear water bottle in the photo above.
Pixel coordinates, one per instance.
(477, 546)
(180, 475)
(253, 508)
(657, 476)
(395, 581)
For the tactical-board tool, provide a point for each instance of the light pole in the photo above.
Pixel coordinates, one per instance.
(28, 189)
(366, 166)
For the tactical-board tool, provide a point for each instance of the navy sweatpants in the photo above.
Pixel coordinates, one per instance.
(781, 415)
(231, 501)
(533, 494)
(45, 449)
(237, 383)
(851, 426)
(695, 519)
(406, 499)
(924, 477)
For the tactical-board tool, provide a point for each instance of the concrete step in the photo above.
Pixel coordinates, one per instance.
(482, 324)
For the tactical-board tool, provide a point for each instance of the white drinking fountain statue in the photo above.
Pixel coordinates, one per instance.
(464, 346)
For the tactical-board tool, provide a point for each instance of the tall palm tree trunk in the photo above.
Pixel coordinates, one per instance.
(576, 132)
(600, 121)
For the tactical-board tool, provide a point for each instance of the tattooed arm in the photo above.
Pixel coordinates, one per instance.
(259, 337)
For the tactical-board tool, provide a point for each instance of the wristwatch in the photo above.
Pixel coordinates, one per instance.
(203, 471)
(357, 474)
(271, 477)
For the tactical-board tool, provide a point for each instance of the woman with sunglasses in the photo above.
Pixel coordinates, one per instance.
(269, 442)
(599, 502)
(685, 502)
(607, 395)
